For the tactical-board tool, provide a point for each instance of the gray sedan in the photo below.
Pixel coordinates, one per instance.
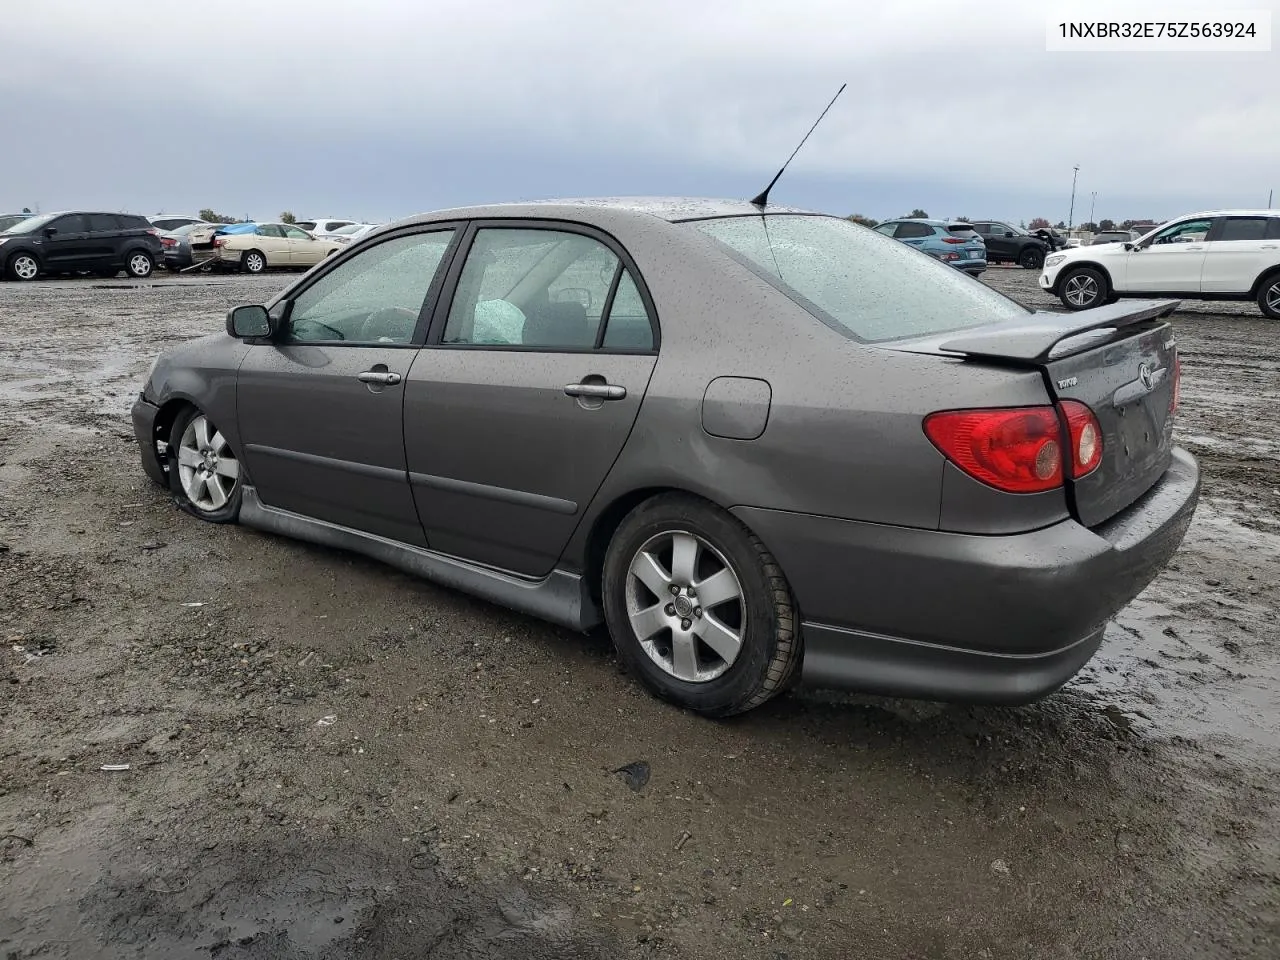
(759, 444)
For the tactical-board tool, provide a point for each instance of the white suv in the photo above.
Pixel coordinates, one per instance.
(1226, 255)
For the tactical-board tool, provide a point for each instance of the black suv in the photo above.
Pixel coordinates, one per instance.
(1010, 244)
(101, 243)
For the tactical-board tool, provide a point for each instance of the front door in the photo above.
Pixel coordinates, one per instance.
(1239, 250)
(526, 393)
(320, 408)
(68, 247)
(1172, 262)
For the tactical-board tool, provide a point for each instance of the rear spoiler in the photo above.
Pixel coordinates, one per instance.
(1033, 340)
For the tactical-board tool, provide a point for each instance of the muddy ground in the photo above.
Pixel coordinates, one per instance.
(329, 759)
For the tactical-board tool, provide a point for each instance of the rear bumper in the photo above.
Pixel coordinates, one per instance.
(144, 429)
(946, 616)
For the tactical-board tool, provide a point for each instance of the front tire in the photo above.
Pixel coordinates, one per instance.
(204, 472)
(1083, 289)
(1269, 296)
(139, 265)
(698, 609)
(253, 261)
(1031, 259)
(24, 266)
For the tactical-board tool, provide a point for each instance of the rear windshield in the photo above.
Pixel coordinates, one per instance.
(962, 230)
(857, 281)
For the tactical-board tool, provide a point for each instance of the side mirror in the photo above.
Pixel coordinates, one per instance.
(1008, 233)
(50, 231)
(249, 321)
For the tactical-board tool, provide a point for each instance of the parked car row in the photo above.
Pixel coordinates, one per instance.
(972, 246)
(1220, 255)
(101, 243)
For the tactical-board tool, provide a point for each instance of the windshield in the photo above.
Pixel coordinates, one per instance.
(31, 223)
(857, 281)
(350, 229)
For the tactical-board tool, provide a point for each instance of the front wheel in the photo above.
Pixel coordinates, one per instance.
(24, 266)
(697, 607)
(204, 473)
(1031, 259)
(1083, 289)
(1269, 297)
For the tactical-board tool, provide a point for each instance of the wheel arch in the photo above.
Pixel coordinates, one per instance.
(1263, 277)
(1067, 268)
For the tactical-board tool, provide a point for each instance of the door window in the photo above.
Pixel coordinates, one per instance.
(293, 233)
(1185, 232)
(1244, 228)
(628, 326)
(912, 231)
(887, 229)
(375, 297)
(268, 230)
(102, 223)
(74, 223)
(531, 288)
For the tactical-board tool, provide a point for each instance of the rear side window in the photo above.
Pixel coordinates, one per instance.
(1244, 228)
(887, 229)
(306, 224)
(103, 223)
(628, 326)
(910, 231)
(269, 230)
(1273, 228)
(856, 282)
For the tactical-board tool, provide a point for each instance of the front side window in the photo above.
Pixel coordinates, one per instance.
(1185, 232)
(1244, 228)
(375, 297)
(293, 233)
(522, 287)
(863, 285)
(75, 223)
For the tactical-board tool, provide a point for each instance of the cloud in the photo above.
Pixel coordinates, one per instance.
(960, 99)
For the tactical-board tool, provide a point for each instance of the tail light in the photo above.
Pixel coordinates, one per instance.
(1177, 385)
(1018, 449)
(154, 231)
(219, 241)
(168, 242)
(953, 240)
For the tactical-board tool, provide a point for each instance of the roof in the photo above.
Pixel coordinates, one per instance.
(671, 209)
(1225, 213)
(932, 221)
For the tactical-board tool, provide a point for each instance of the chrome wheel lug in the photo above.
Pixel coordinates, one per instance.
(671, 609)
(686, 624)
(675, 590)
(697, 612)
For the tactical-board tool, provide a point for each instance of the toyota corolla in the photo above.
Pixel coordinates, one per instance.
(759, 444)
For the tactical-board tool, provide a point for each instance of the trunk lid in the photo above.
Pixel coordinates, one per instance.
(1120, 361)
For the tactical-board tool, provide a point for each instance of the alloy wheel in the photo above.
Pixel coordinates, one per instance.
(1273, 298)
(25, 267)
(254, 263)
(1081, 290)
(207, 468)
(139, 265)
(686, 605)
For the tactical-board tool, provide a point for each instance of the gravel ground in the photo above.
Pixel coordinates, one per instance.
(329, 759)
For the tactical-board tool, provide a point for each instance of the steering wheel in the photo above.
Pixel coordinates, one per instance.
(389, 324)
(337, 334)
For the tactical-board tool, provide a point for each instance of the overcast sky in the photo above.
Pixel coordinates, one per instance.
(383, 108)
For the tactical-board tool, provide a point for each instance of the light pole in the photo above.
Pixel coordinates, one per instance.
(1092, 203)
(1072, 215)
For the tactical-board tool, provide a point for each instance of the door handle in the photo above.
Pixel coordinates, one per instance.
(1269, 246)
(596, 391)
(378, 376)
(1193, 248)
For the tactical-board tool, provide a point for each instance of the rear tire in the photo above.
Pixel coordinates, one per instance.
(738, 652)
(1269, 296)
(1031, 258)
(253, 261)
(1083, 289)
(139, 265)
(24, 266)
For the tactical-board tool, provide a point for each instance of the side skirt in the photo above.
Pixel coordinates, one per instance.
(560, 597)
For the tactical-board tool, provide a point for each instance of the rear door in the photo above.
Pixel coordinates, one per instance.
(320, 408)
(1172, 262)
(103, 241)
(527, 390)
(1238, 250)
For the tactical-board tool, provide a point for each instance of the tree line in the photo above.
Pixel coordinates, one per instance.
(1036, 223)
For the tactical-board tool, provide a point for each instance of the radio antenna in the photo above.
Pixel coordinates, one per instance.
(763, 198)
